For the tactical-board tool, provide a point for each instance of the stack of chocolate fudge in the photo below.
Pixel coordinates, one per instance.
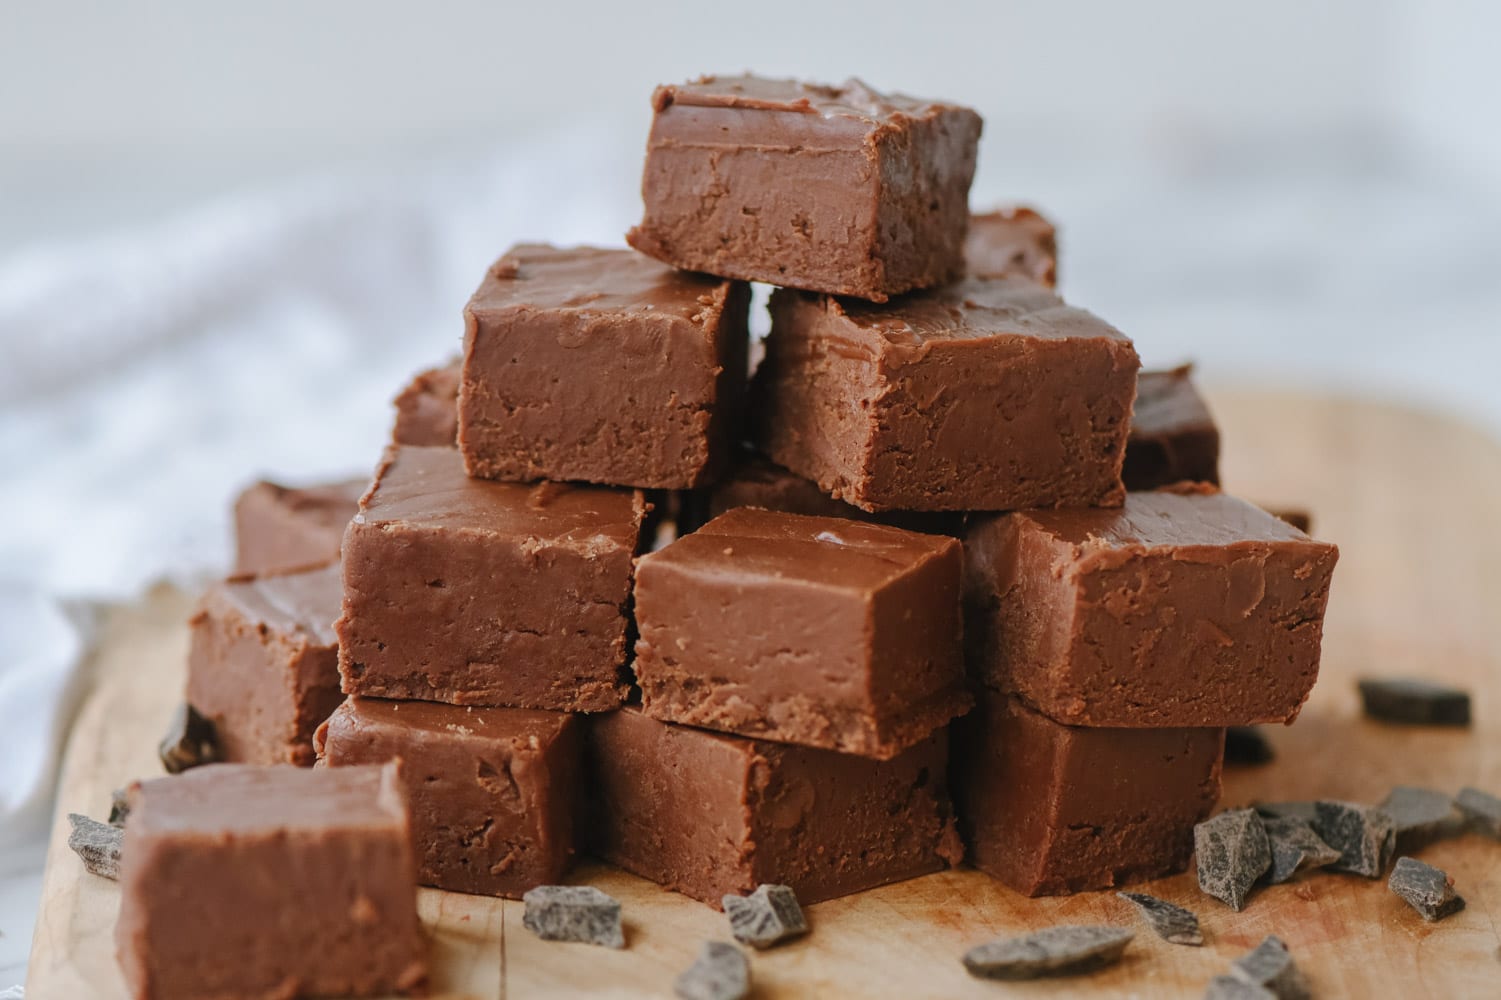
(919, 587)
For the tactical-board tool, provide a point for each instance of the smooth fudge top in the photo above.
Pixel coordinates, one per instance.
(975, 309)
(829, 551)
(427, 487)
(247, 799)
(521, 725)
(853, 102)
(1166, 401)
(590, 280)
(306, 602)
(1015, 242)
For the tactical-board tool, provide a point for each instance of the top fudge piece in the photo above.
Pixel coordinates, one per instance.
(988, 394)
(280, 528)
(811, 630)
(831, 189)
(1015, 242)
(479, 593)
(1173, 437)
(601, 366)
(427, 411)
(245, 881)
(1182, 608)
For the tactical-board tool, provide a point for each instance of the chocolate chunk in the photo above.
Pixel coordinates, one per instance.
(1054, 951)
(1414, 702)
(1270, 965)
(765, 917)
(1421, 816)
(1012, 242)
(1295, 846)
(1231, 988)
(1306, 810)
(1427, 889)
(98, 844)
(1364, 837)
(280, 528)
(573, 913)
(1482, 811)
(1231, 853)
(190, 741)
(1172, 923)
(427, 410)
(1247, 746)
(119, 807)
(1173, 436)
(720, 972)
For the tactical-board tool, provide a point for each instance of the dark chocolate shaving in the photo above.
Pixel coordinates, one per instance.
(1363, 835)
(1421, 816)
(1427, 889)
(1247, 746)
(1231, 853)
(98, 844)
(720, 972)
(573, 913)
(1172, 923)
(1054, 951)
(1295, 846)
(765, 917)
(190, 741)
(1270, 965)
(1412, 701)
(1482, 811)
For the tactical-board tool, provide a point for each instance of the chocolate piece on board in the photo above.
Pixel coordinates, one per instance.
(263, 663)
(1185, 607)
(1421, 816)
(710, 815)
(1053, 951)
(1415, 702)
(493, 791)
(768, 916)
(988, 394)
(1231, 853)
(480, 593)
(810, 630)
(833, 189)
(720, 972)
(1270, 965)
(601, 366)
(1427, 889)
(427, 410)
(190, 741)
(1482, 811)
(1012, 242)
(96, 844)
(1173, 438)
(1173, 924)
(1051, 809)
(282, 528)
(281, 876)
(1305, 810)
(578, 913)
(1294, 847)
(1364, 836)
(1247, 746)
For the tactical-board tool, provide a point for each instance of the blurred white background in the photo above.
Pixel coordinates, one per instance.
(228, 232)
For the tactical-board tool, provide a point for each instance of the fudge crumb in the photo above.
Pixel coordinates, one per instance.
(1172, 923)
(1427, 889)
(1364, 837)
(765, 917)
(1295, 846)
(119, 807)
(1247, 746)
(1482, 811)
(1231, 988)
(1270, 965)
(1421, 816)
(98, 844)
(1055, 951)
(190, 741)
(1231, 853)
(720, 972)
(573, 913)
(1411, 701)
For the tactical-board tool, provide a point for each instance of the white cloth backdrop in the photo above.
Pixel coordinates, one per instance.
(146, 375)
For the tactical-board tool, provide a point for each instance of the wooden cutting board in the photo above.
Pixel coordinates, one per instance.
(1411, 499)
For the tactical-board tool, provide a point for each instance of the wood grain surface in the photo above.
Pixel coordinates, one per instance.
(1412, 501)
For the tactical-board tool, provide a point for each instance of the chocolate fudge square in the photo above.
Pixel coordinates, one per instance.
(481, 593)
(1183, 608)
(831, 189)
(602, 366)
(1014, 242)
(263, 663)
(245, 881)
(1173, 437)
(492, 790)
(708, 815)
(280, 528)
(1051, 809)
(427, 410)
(810, 630)
(989, 394)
